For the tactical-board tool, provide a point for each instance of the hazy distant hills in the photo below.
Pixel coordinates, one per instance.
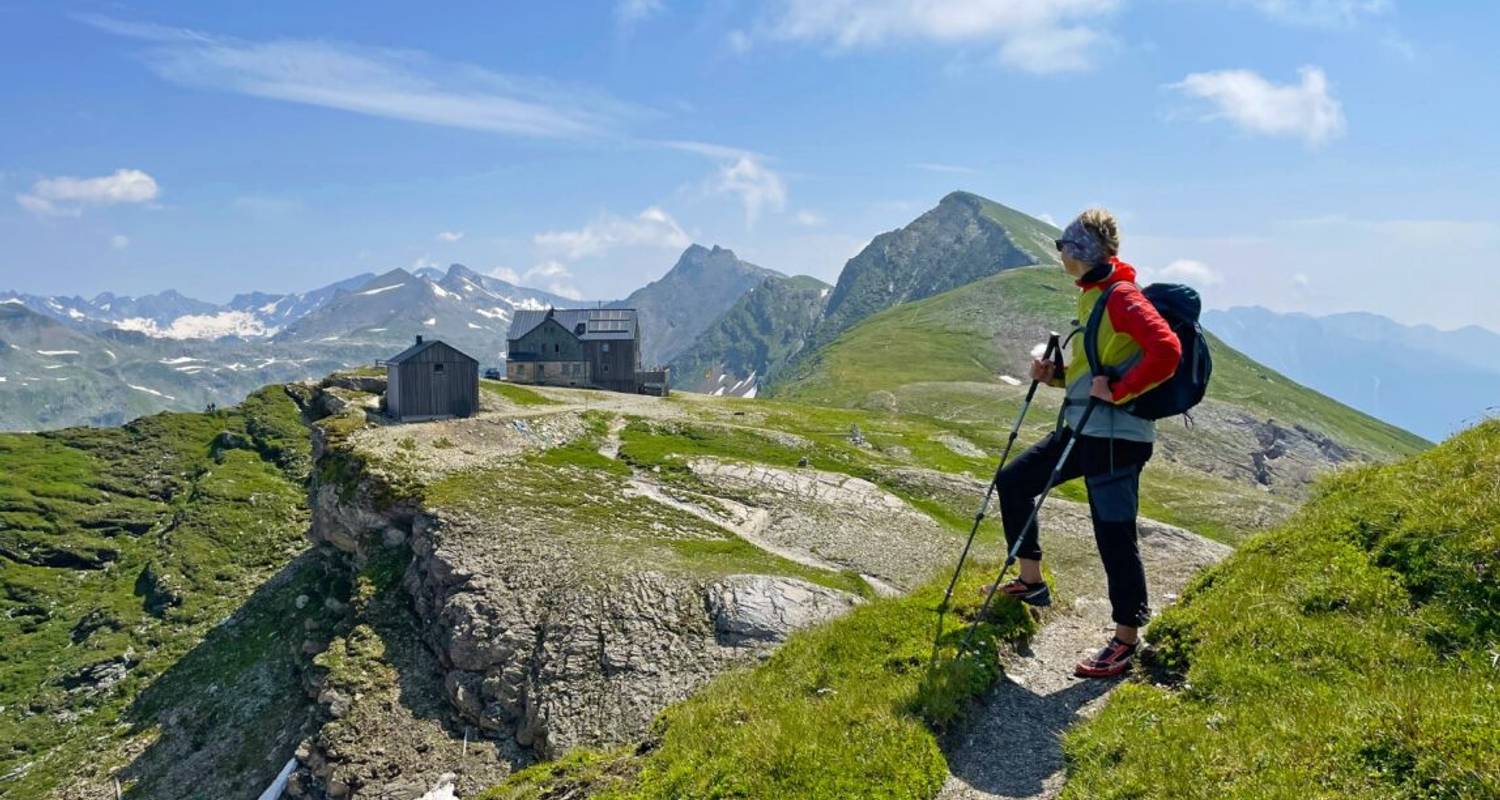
(1429, 381)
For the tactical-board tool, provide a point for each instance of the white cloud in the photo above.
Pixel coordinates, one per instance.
(650, 228)
(1306, 109)
(1320, 13)
(64, 196)
(506, 274)
(399, 84)
(1032, 35)
(1055, 50)
(119, 241)
(1189, 271)
(630, 12)
(810, 219)
(1048, 218)
(554, 277)
(1301, 281)
(757, 186)
(450, 236)
(742, 173)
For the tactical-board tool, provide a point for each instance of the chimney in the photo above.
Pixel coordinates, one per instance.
(419, 338)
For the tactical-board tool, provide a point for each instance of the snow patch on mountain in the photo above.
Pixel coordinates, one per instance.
(201, 326)
(149, 390)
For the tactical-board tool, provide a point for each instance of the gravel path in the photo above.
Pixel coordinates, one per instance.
(1010, 746)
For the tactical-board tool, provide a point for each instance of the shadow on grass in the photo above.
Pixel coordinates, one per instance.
(230, 712)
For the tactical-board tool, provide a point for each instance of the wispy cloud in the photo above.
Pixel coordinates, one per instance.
(1040, 36)
(810, 219)
(554, 277)
(64, 196)
(1196, 273)
(948, 169)
(757, 186)
(741, 173)
(1320, 13)
(652, 227)
(1306, 109)
(450, 236)
(119, 241)
(632, 12)
(398, 84)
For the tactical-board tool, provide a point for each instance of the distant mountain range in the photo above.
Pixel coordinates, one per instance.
(102, 361)
(1428, 381)
(724, 325)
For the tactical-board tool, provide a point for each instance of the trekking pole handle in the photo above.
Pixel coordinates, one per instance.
(1054, 343)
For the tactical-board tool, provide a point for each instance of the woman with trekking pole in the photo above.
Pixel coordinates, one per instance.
(1134, 349)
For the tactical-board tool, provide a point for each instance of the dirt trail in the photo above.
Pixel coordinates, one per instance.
(1010, 747)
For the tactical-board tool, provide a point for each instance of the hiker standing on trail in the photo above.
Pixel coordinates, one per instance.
(1136, 350)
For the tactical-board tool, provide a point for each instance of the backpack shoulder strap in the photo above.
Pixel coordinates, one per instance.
(1091, 330)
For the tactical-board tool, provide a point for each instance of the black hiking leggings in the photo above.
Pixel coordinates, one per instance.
(1113, 480)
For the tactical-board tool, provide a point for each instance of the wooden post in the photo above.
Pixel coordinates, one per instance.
(117, 789)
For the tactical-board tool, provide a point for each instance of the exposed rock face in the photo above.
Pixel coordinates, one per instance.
(765, 608)
(1280, 457)
(841, 521)
(539, 642)
(676, 308)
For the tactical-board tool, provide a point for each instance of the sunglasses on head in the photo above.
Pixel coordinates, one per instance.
(1061, 242)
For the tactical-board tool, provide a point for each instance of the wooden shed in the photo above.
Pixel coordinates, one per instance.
(431, 380)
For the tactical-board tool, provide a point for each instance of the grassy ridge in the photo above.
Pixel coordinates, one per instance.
(1348, 654)
(971, 333)
(124, 547)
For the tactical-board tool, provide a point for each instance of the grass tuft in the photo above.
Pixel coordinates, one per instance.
(1351, 650)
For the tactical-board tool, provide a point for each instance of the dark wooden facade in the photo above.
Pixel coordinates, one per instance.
(600, 348)
(431, 380)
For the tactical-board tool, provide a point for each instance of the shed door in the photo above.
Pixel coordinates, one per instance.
(442, 400)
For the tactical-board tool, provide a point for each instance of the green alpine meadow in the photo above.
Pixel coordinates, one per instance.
(431, 578)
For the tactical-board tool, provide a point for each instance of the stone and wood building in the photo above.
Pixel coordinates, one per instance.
(586, 347)
(431, 380)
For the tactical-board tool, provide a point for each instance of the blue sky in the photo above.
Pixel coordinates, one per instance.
(1316, 155)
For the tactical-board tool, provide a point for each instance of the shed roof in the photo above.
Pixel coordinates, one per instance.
(422, 346)
(598, 323)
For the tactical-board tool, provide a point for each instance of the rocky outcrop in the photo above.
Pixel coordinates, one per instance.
(535, 638)
(837, 520)
(765, 608)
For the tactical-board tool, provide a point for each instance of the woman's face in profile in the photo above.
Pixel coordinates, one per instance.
(1072, 266)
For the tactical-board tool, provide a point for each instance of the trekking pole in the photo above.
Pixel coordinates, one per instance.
(1036, 509)
(1053, 346)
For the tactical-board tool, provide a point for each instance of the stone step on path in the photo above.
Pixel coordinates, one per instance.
(1010, 745)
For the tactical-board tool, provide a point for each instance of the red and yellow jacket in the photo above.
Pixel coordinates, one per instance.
(1134, 342)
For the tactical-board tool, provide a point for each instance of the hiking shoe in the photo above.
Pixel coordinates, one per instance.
(1113, 660)
(1032, 594)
